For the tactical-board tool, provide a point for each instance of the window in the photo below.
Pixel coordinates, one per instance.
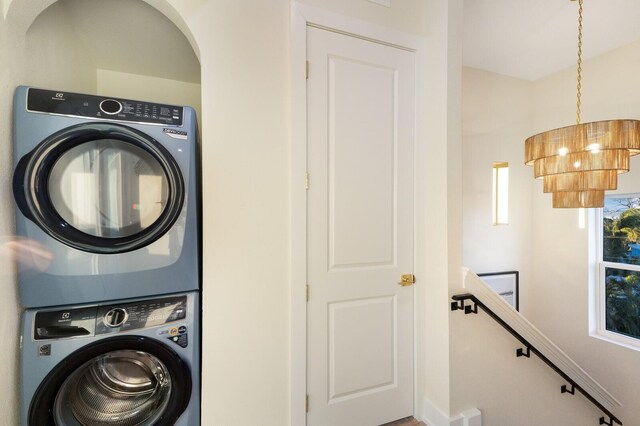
(619, 270)
(500, 193)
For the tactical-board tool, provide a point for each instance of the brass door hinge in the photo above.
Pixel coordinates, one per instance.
(307, 292)
(306, 181)
(407, 280)
(307, 71)
(307, 403)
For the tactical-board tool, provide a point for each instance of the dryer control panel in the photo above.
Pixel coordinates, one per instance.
(77, 105)
(103, 319)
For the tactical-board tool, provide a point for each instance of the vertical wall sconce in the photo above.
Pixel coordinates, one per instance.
(500, 193)
(582, 218)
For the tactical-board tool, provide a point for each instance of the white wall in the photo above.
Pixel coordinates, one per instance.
(496, 121)
(442, 188)
(244, 54)
(245, 153)
(497, 115)
(9, 305)
(509, 391)
(56, 57)
(545, 243)
(611, 89)
(410, 16)
(153, 89)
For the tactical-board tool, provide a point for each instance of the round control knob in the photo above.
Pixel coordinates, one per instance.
(116, 317)
(110, 106)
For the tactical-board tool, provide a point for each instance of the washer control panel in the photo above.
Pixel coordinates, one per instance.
(77, 105)
(94, 320)
(142, 314)
(116, 317)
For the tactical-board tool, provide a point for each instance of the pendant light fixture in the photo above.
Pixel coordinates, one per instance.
(578, 163)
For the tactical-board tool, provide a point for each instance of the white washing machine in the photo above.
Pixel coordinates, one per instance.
(106, 192)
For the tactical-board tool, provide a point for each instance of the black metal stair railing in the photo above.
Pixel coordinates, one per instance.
(459, 304)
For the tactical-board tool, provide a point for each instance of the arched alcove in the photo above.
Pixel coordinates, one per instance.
(136, 49)
(119, 48)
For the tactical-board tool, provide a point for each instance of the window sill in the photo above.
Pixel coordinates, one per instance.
(617, 339)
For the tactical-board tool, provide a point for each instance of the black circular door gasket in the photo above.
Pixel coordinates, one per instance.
(31, 178)
(41, 407)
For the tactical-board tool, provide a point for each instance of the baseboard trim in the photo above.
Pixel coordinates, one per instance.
(472, 417)
(432, 416)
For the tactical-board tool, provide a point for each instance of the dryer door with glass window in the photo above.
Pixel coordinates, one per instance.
(100, 188)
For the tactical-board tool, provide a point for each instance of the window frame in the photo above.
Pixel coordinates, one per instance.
(600, 305)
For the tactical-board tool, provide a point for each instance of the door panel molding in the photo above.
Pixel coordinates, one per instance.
(302, 16)
(360, 139)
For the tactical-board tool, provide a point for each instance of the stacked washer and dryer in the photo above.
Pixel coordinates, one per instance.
(107, 224)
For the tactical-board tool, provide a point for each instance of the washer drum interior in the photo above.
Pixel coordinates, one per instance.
(119, 388)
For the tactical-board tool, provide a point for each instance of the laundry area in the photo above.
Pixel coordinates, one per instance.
(106, 190)
(272, 212)
(74, 75)
(106, 195)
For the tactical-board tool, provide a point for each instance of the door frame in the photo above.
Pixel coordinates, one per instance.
(303, 15)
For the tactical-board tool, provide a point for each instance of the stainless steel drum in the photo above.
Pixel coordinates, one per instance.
(119, 388)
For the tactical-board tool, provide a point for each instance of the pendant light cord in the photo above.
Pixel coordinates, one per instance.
(579, 61)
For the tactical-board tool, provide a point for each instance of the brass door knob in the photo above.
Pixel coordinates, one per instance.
(407, 280)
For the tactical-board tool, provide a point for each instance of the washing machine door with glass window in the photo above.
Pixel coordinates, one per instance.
(122, 381)
(100, 188)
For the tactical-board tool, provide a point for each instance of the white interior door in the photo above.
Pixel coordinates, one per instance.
(361, 123)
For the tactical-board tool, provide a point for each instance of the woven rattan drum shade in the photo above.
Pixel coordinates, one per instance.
(581, 181)
(584, 138)
(578, 199)
(578, 163)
